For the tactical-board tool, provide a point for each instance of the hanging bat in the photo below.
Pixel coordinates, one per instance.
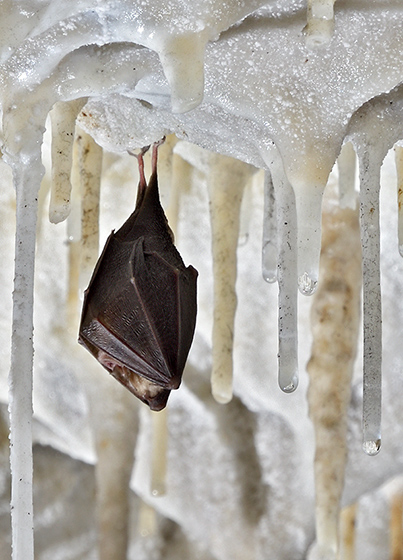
(139, 310)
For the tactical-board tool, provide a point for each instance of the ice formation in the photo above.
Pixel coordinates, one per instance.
(284, 86)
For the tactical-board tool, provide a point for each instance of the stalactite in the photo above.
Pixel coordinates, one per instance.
(63, 117)
(320, 25)
(396, 526)
(115, 428)
(287, 279)
(335, 325)
(346, 164)
(74, 245)
(370, 170)
(181, 179)
(347, 532)
(399, 170)
(90, 168)
(269, 246)
(226, 183)
(145, 72)
(159, 452)
(27, 179)
(147, 520)
(308, 199)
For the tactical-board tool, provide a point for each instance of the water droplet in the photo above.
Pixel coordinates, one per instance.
(269, 276)
(158, 490)
(290, 388)
(306, 284)
(372, 447)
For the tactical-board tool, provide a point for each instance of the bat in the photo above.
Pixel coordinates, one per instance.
(139, 311)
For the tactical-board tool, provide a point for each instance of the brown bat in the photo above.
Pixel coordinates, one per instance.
(139, 311)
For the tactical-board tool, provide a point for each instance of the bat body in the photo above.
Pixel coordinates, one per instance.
(139, 311)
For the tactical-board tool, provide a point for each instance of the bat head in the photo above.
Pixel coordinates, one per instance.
(150, 393)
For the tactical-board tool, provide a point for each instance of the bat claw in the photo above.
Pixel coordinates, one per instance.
(154, 158)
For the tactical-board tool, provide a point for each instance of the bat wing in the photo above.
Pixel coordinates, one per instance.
(139, 310)
(167, 293)
(141, 314)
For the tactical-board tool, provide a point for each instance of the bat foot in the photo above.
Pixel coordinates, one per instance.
(154, 158)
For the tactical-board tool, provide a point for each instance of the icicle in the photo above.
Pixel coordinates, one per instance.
(335, 320)
(308, 200)
(226, 183)
(372, 315)
(90, 167)
(346, 164)
(399, 171)
(269, 248)
(347, 532)
(63, 117)
(287, 279)
(320, 26)
(27, 179)
(159, 452)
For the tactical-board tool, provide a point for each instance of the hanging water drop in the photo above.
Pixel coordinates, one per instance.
(308, 198)
(372, 447)
(306, 284)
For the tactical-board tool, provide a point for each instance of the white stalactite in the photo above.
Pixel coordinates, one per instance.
(63, 117)
(399, 171)
(287, 279)
(270, 243)
(370, 170)
(90, 169)
(346, 164)
(320, 22)
(226, 183)
(27, 179)
(136, 64)
(335, 320)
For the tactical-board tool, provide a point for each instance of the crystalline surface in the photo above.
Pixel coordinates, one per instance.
(233, 80)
